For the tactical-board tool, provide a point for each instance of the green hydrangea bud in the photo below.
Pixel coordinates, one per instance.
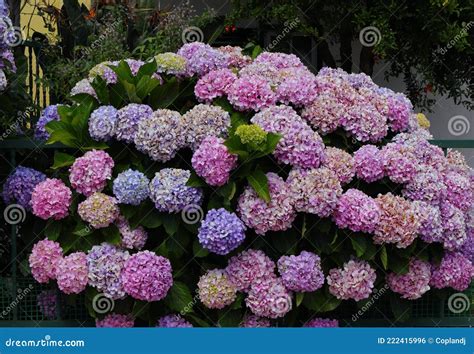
(251, 134)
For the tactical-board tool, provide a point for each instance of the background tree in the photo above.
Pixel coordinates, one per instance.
(428, 42)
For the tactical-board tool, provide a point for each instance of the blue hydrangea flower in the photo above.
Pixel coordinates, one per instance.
(20, 184)
(169, 192)
(102, 123)
(49, 114)
(221, 231)
(131, 187)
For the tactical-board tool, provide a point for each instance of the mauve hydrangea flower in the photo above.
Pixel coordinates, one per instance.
(114, 320)
(364, 123)
(72, 273)
(279, 60)
(354, 281)
(169, 192)
(269, 298)
(48, 303)
(3, 80)
(84, 86)
(249, 267)
(99, 210)
(131, 187)
(413, 284)
(202, 58)
(214, 84)
(263, 71)
(102, 123)
(128, 118)
(459, 190)
(89, 173)
(215, 290)
(431, 228)
(298, 88)
(104, 71)
(314, 191)
(324, 113)
(457, 162)
(20, 185)
(221, 231)
(131, 239)
(357, 211)
(205, 120)
(250, 93)
(454, 226)
(468, 247)
(322, 323)
(399, 111)
(173, 321)
(213, 162)
(368, 163)
(252, 321)
(43, 260)
(48, 114)
(147, 277)
(398, 222)
(341, 162)
(277, 215)
(105, 263)
(300, 145)
(301, 273)
(234, 56)
(51, 199)
(455, 271)
(161, 135)
(426, 185)
(400, 162)
(170, 63)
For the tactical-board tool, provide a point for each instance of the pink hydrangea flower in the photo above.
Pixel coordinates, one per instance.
(51, 199)
(253, 321)
(215, 289)
(72, 273)
(455, 271)
(99, 210)
(90, 173)
(214, 84)
(251, 93)
(213, 162)
(43, 260)
(368, 163)
(114, 320)
(354, 281)
(322, 323)
(269, 298)
(341, 163)
(357, 211)
(413, 284)
(324, 113)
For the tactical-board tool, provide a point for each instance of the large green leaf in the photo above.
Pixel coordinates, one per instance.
(359, 244)
(62, 159)
(179, 298)
(259, 182)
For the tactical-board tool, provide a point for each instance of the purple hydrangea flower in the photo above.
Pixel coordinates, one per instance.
(131, 187)
(173, 321)
(20, 185)
(413, 284)
(301, 273)
(221, 231)
(322, 323)
(368, 163)
(49, 114)
(455, 271)
(128, 118)
(356, 211)
(102, 123)
(354, 281)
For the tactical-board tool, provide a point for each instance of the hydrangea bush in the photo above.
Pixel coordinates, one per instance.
(215, 188)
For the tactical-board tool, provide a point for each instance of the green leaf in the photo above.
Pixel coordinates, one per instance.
(62, 160)
(82, 229)
(272, 142)
(179, 298)
(230, 318)
(401, 308)
(131, 91)
(234, 146)
(147, 69)
(145, 86)
(383, 257)
(397, 264)
(124, 74)
(359, 244)
(170, 224)
(128, 211)
(195, 181)
(53, 230)
(257, 50)
(320, 301)
(164, 95)
(199, 321)
(299, 299)
(259, 182)
(227, 191)
(112, 235)
(141, 309)
(236, 119)
(101, 90)
(198, 250)
(224, 104)
(152, 220)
